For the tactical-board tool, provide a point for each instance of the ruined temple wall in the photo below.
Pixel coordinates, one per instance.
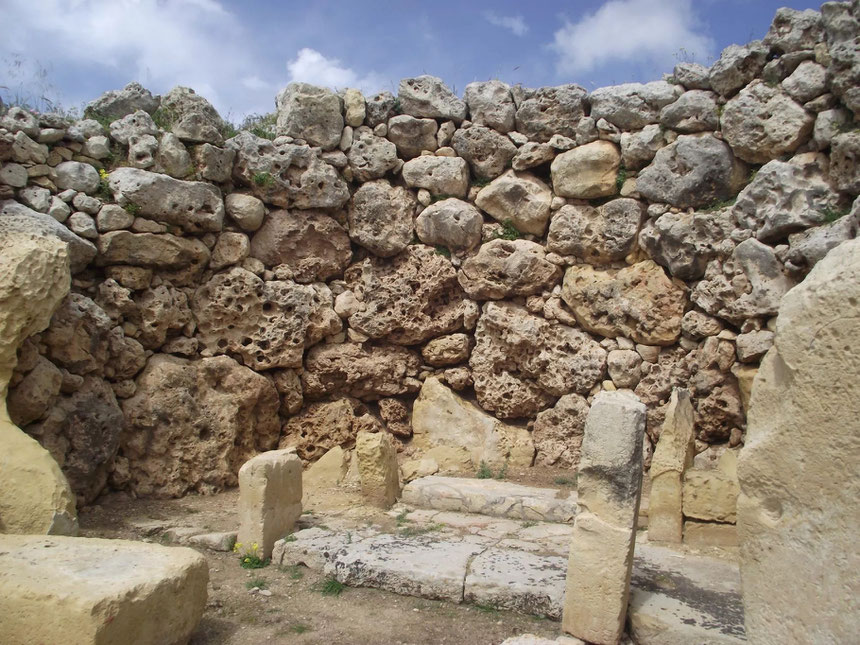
(528, 248)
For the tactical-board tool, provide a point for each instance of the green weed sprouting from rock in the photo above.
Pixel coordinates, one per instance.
(484, 471)
(263, 179)
(330, 587)
(508, 232)
(719, 205)
(620, 178)
(833, 214)
(444, 251)
(565, 481)
(104, 191)
(132, 209)
(293, 571)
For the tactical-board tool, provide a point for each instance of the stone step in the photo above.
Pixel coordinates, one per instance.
(490, 497)
(521, 566)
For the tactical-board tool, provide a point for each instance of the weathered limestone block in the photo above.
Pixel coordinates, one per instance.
(193, 118)
(803, 428)
(179, 259)
(311, 113)
(793, 30)
(596, 234)
(520, 198)
(191, 424)
(487, 151)
(447, 350)
(115, 104)
(381, 217)
(366, 373)
(460, 435)
(491, 104)
(196, 206)
(737, 66)
(672, 456)
(370, 157)
(268, 324)
(407, 299)
(522, 363)
(845, 162)
(507, 268)
(214, 163)
(546, 111)
(447, 176)
(705, 534)
(638, 302)
(395, 414)
(694, 111)
(451, 223)
(85, 591)
(377, 468)
(428, 96)
(286, 174)
(270, 499)
(35, 496)
(588, 171)
(841, 24)
(558, 432)
(411, 136)
(810, 246)
(712, 494)
(695, 170)
(604, 533)
(321, 427)
(312, 244)
(246, 210)
(632, 106)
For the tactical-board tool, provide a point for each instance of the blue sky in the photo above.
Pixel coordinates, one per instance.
(239, 53)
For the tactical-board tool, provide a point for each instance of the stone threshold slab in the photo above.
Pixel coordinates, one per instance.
(490, 497)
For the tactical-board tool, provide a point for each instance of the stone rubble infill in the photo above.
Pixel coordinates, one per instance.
(520, 566)
(490, 497)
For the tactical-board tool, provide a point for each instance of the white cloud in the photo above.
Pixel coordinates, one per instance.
(639, 31)
(310, 66)
(515, 23)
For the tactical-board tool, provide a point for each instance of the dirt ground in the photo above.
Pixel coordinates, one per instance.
(297, 611)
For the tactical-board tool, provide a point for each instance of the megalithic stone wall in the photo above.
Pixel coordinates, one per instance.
(604, 531)
(526, 248)
(798, 515)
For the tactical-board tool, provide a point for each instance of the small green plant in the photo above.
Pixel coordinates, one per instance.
(718, 205)
(412, 531)
(164, 117)
(95, 115)
(439, 198)
(292, 570)
(132, 209)
(290, 538)
(104, 190)
(299, 628)
(259, 583)
(260, 125)
(620, 178)
(487, 609)
(250, 558)
(397, 108)
(484, 471)
(503, 471)
(480, 183)
(565, 481)
(401, 518)
(833, 214)
(508, 232)
(263, 179)
(443, 251)
(330, 587)
(529, 523)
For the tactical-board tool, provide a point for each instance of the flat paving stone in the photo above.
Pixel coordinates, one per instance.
(411, 566)
(490, 497)
(517, 580)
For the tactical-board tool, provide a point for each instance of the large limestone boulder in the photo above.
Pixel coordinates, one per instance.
(179, 259)
(522, 363)
(268, 324)
(381, 217)
(370, 157)
(507, 268)
(448, 176)
(601, 234)
(749, 284)
(365, 372)
(76, 175)
(192, 424)
(407, 299)
(451, 223)
(312, 244)
(638, 148)
(115, 104)
(588, 171)
(519, 198)
(411, 136)
(85, 591)
(695, 170)
(637, 302)
(737, 66)
(544, 112)
(632, 106)
(487, 151)
(491, 104)
(810, 246)
(841, 24)
(193, 119)
(311, 113)
(196, 206)
(685, 242)
(845, 162)
(786, 197)
(35, 497)
(558, 432)
(762, 123)
(793, 30)
(427, 96)
(321, 427)
(795, 468)
(458, 434)
(286, 174)
(694, 111)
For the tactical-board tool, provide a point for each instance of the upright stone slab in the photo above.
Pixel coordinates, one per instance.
(673, 455)
(797, 512)
(601, 552)
(377, 468)
(270, 499)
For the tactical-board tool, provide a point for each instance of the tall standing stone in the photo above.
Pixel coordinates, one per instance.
(672, 456)
(797, 511)
(377, 468)
(270, 499)
(604, 532)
